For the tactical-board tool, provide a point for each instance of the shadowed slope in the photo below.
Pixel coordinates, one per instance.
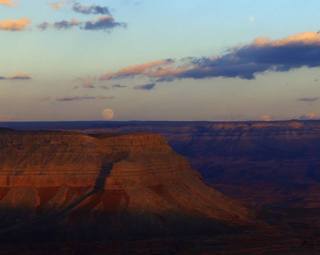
(130, 183)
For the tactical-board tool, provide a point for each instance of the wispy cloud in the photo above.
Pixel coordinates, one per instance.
(245, 62)
(119, 86)
(83, 98)
(63, 24)
(14, 25)
(102, 23)
(21, 76)
(143, 69)
(17, 76)
(308, 99)
(106, 23)
(90, 9)
(9, 3)
(57, 5)
(148, 86)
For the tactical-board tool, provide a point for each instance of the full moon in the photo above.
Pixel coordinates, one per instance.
(108, 114)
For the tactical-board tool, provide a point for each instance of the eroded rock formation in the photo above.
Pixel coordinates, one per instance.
(127, 179)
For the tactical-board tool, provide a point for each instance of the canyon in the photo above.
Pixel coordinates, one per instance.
(106, 186)
(256, 189)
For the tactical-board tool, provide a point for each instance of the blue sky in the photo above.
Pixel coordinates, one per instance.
(56, 74)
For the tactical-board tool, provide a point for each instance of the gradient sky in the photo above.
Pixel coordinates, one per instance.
(70, 70)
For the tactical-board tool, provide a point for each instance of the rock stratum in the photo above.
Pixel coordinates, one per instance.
(117, 183)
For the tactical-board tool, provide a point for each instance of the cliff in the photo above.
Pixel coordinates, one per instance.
(119, 180)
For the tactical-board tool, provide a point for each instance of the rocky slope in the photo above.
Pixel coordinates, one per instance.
(129, 183)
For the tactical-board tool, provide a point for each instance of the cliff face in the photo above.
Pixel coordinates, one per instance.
(73, 174)
(260, 163)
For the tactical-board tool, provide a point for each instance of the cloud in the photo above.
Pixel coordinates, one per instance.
(102, 23)
(310, 116)
(90, 9)
(308, 99)
(83, 98)
(245, 62)
(14, 25)
(143, 69)
(17, 76)
(21, 76)
(9, 3)
(59, 25)
(149, 86)
(57, 5)
(119, 86)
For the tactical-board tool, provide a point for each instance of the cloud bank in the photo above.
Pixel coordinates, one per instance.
(245, 62)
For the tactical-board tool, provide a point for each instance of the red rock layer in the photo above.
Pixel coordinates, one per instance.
(137, 173)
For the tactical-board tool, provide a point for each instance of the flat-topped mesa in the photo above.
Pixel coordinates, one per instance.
(138, 143)
(56, 159)
(132, 174)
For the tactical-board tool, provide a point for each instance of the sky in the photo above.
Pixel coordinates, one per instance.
(159, 60)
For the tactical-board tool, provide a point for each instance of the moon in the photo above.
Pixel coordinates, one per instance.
(108, 114)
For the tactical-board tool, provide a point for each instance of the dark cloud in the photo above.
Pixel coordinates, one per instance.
(66, 24)
(60, 25)
(248, 61)
(308, 99)
(44, 26)
(18, 76)
(149, 86)
(119, 86)
(102, 23)
(301, 50)
(83, 98)
(21, 77)
(90, 9)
